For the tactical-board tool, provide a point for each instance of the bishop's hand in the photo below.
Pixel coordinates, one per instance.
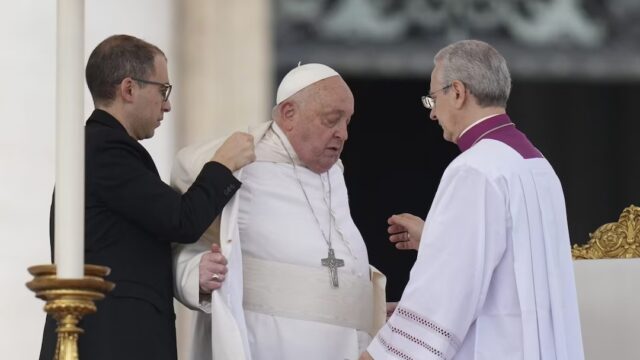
(365, 356)
(391, 307)
(405, 231)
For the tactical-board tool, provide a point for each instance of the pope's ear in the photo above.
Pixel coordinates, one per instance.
(287, 111)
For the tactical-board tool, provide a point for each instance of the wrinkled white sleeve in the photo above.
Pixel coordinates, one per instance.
(463, 241)
(186, 261)
(186, 257)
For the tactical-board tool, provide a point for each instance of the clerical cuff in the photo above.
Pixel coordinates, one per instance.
(409, 335)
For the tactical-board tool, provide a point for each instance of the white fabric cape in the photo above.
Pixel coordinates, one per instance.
(227, 318)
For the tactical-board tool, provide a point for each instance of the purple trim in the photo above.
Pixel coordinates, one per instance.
(508, 135)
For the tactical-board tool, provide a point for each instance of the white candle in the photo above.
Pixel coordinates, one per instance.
(69, 191)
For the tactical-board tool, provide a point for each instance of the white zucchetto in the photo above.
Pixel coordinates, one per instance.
(301, 77)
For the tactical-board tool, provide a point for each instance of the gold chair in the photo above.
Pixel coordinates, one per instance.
(608, 287)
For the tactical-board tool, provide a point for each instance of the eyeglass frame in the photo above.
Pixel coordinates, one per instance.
(428, 101)
(165, 88)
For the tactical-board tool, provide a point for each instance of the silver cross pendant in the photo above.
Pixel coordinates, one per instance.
(333, 264)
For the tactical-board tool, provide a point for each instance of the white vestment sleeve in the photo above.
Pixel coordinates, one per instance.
(186, 261)
(186, 258)
(463, 240)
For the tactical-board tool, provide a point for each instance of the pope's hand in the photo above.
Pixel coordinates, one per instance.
(405, 231)
(236, 152)
(213, 267)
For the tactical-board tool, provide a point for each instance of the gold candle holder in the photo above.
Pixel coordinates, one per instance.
(68, 300)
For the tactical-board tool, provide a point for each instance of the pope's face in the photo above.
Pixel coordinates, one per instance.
(318, 129)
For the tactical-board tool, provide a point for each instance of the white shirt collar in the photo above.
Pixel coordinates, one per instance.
(475, 123)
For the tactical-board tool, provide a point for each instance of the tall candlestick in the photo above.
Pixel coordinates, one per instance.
(69, 192)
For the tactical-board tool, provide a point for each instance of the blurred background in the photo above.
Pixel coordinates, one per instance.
(575, 66)
(576, 80)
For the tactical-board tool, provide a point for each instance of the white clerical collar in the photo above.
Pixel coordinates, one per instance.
(270, 148)
(476, 123)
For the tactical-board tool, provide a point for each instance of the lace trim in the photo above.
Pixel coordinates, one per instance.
(431, 325)
(393, 350)
(416, 340)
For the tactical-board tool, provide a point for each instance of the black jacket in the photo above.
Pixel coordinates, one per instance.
(131, 219)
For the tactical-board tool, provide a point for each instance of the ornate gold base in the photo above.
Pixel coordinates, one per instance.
(68, 300)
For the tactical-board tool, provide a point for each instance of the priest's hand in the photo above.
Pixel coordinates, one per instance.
(213, 267)
(405, 231)
(236, 152)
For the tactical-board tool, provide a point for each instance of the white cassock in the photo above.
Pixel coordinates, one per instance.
(277, 301)
(475, 291)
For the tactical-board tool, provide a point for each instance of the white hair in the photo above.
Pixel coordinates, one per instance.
(480, 67)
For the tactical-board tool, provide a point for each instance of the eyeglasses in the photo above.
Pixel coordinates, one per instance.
(429, 101)
(165, 88)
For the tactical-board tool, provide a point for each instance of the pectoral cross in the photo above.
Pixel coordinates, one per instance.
(333, 264)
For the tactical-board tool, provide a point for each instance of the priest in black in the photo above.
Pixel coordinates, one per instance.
(131, 216)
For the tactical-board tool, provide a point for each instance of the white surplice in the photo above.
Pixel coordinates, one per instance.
(271, 220)
(475, 291)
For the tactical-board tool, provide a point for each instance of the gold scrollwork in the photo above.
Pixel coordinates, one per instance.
(613, 240)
